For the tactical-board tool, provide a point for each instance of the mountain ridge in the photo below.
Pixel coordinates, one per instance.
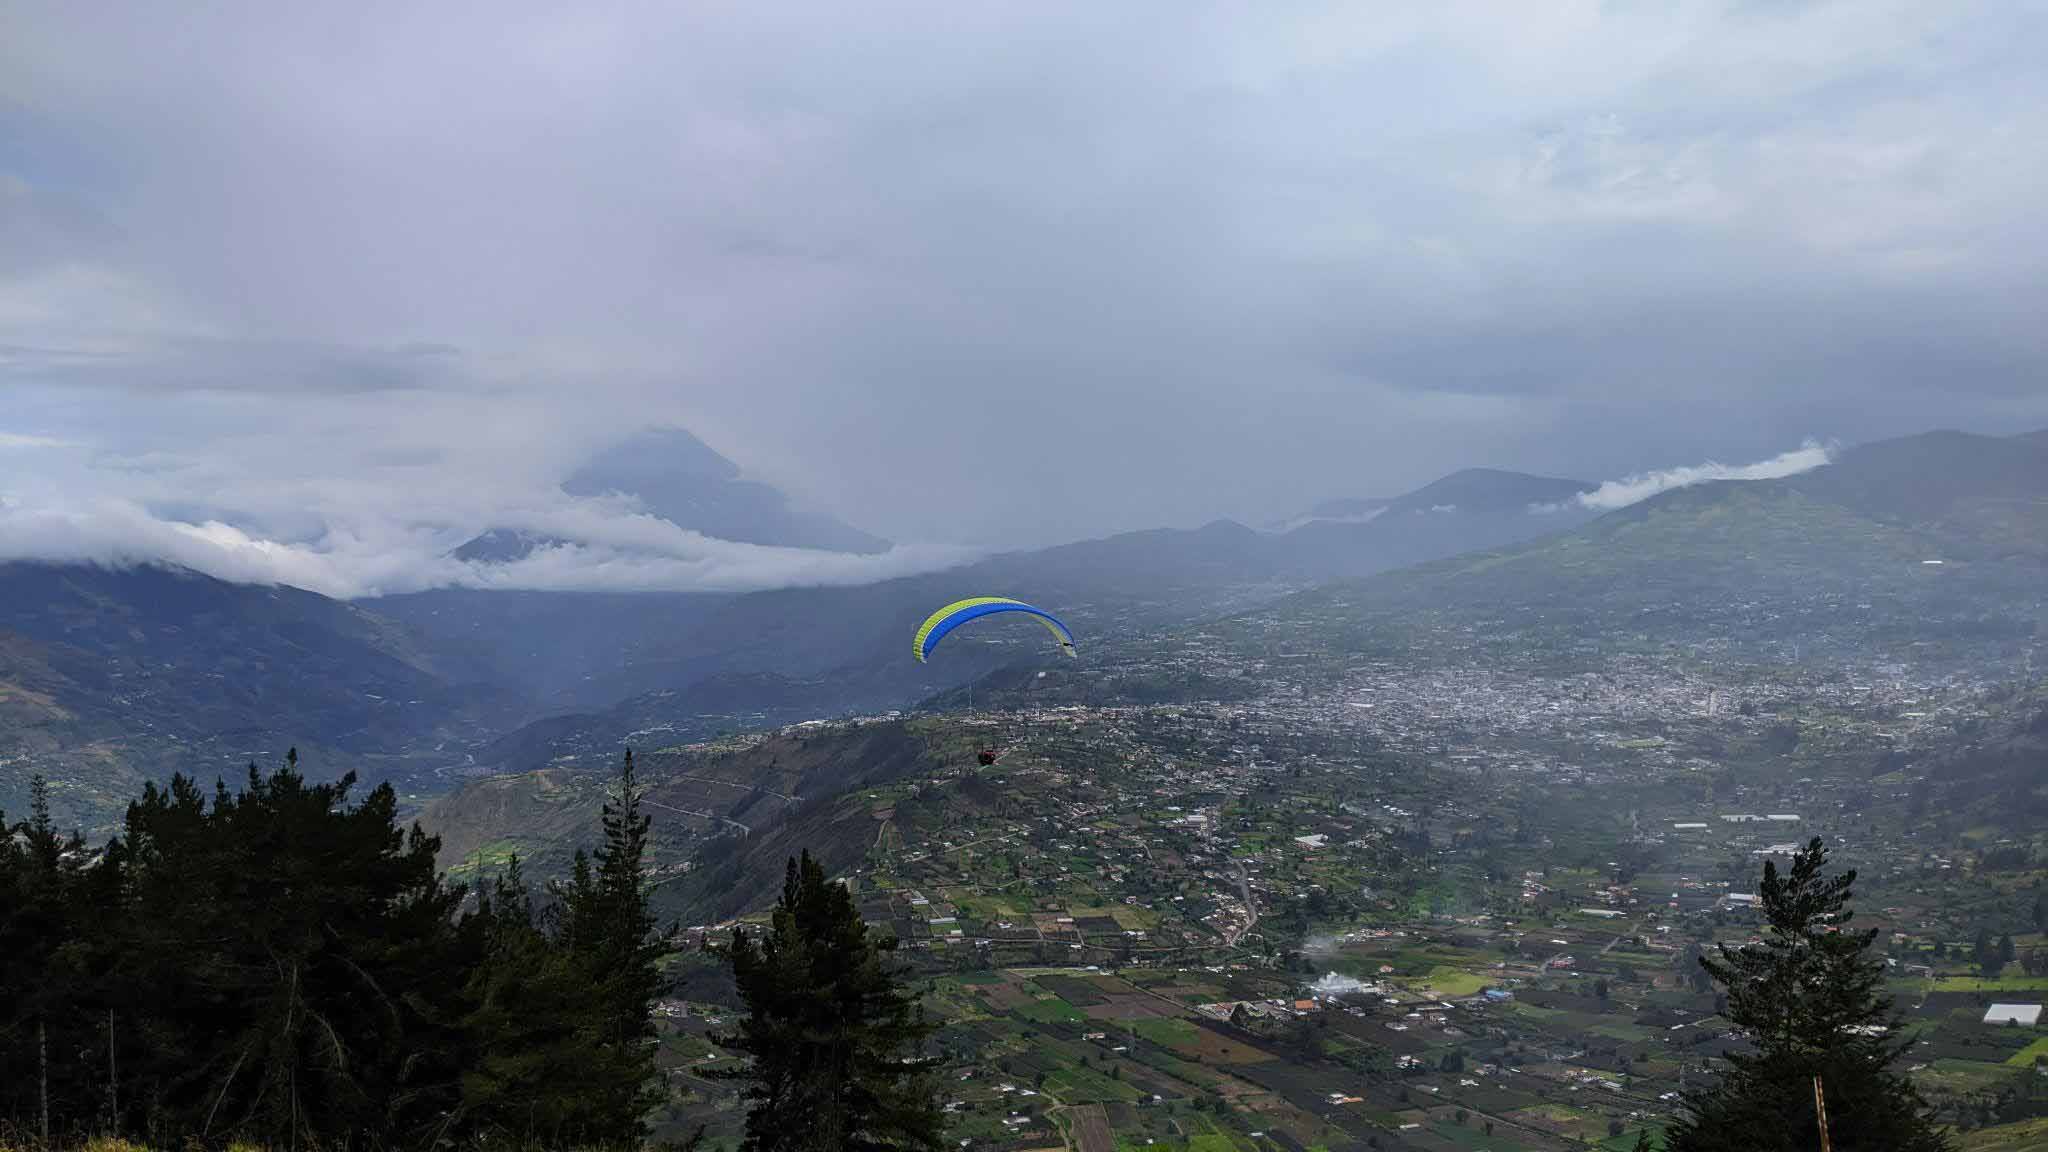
(509, 679)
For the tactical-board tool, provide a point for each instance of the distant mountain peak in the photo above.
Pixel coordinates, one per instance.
(502, 546)
(1488, 490)
(671, 474)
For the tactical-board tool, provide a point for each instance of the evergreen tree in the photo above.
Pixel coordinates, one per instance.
(1811, 999)
(535, 1074)
(610, 930)
(286, 962)
(2005, 949)
(833, 1041)
(1989, 962)
(40, 924)
(280, 966)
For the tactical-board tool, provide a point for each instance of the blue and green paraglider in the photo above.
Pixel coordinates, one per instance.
(959, 612)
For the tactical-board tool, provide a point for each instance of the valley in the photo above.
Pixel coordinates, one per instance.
(1291, 857)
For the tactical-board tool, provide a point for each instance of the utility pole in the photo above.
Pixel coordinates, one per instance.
(1820, 1112)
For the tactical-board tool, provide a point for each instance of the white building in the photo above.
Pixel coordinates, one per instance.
(2025, 1015)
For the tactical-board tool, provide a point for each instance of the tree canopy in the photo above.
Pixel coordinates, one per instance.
(833, 1042)
(278, 965)
(1810, 997)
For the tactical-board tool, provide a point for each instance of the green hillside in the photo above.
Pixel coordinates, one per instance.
(1850, 554)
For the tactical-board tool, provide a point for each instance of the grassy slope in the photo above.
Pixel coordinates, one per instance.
(790, 790)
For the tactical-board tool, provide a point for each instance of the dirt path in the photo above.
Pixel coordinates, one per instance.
(700, 815)
(729, 784)
(1244, 888)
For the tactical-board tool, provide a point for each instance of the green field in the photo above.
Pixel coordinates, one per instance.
(1164, 1032)
(1087, 1086)
(1445, 981)
(2025, 1057)
(1050, 1011)
(994, 907)
(1965, 1075)
(2018, 983)
(2020, 1137)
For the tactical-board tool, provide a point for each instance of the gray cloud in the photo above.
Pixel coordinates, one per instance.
(989, 276)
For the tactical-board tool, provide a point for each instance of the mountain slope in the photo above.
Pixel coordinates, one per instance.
(783, 793)
(1843, 554)
(1981, 497)
(646, 660)
(108, 676)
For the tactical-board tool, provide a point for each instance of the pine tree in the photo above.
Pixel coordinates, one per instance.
(1811, 999)
(1989, 962)
(278, 965)
(535, 1074)
(833, 1041)
(292, 962)
(42, 927)
(610, 929)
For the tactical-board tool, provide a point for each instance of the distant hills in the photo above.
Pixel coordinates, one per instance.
(1470, 490)
(110, 675)
(831, 649)
(1905, 540)
(1468, 509)
(678, 662)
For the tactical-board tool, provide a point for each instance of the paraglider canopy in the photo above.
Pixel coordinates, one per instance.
(960, 612)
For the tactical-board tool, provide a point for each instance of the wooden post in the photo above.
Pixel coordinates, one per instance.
(1820, 1113)
(113, 1082)
(43, 1082)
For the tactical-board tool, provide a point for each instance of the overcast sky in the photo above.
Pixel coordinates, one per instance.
(352, 280)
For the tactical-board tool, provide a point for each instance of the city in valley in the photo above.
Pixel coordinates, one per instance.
(1364, 900)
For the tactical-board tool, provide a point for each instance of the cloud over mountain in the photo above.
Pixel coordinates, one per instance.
(1643, 485)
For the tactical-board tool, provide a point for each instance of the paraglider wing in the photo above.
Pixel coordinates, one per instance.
(960, 612)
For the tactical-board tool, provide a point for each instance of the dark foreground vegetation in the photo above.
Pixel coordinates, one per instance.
(280, 966)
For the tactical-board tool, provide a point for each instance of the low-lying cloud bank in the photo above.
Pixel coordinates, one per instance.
(391, 525)
(344, 565)
(63, 502)
(1641, 486)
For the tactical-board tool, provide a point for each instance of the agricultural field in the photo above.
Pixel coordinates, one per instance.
(1133, 933)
